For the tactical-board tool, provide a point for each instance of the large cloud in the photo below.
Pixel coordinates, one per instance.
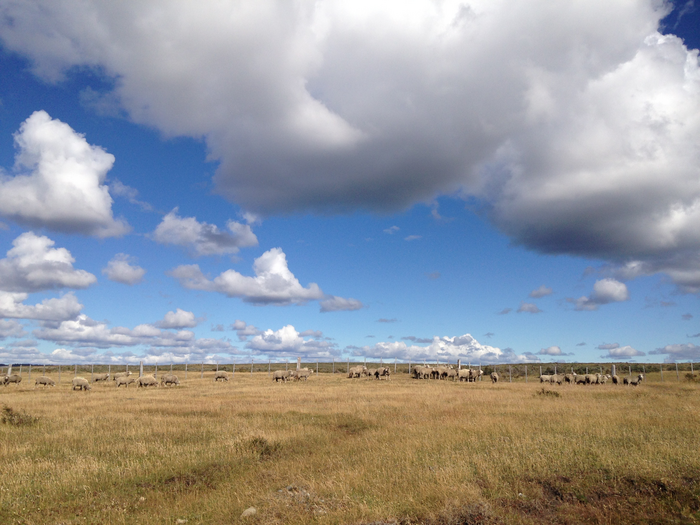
(288, 342)
(605, 291)
(463, 347)
(678, 352)
(55, 309)
(120, 270)
(202, 238)
(576, 124)
(59, 181)
(32, 265)
(273, 282)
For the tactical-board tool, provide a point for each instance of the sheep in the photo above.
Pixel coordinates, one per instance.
(634, 381)
(603, 379)
(570, 378)
(124, 380)
(220, 375)
(80, 383)
(494, 377)
(146, 381)
(303, 373)
(357, 371)
(475, 374)
(556, 378)
(383, 372)
(591, 379)
(421, 372)
(100, 377)
(371, 372)
(120, 374)
(43, 380)
(281, 375)
(615, 379)
(463, 374)
(546, 379)
(169, 379)
(580, 380)
(14, 378)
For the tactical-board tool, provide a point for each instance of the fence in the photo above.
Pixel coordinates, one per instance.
(514, 372)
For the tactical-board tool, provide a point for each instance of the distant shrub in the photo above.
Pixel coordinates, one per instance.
(693, 378)
(548, 393)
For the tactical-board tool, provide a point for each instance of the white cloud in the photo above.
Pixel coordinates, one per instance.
(178, 319)
(542, 291)
(59, 181)
(622, 352)
(243, 330)
(120, 271)
(273, 282)
(444, 349)
(10, 328)
(678, 352)
(119, 189)
(334, 303)
(413, 238)
(287, 341)
(56, 309)
(366, 106)
(85, 332)
(605, 291)
(392, 230)
(530, 308)
(552, 350)
(202, 238)
(33, 265)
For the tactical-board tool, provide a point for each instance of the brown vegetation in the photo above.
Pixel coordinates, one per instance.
(339, 451)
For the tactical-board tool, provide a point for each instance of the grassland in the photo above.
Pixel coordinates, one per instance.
(340, 451)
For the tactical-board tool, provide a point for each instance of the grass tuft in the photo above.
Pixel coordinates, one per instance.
(548, 393)
(9, 416)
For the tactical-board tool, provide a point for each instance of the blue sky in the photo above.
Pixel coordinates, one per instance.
(492, 182)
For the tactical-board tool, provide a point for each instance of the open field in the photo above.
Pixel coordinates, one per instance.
(334, 450)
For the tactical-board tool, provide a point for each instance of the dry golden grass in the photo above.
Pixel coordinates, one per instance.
(334, 450)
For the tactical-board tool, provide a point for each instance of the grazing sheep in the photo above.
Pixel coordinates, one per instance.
(556, 378)
(169, 380)
(301, 374)
(14, 378)
(546, 379)
(494, 377)
(580, 380)
(100, 377)
(634, 381)
(120, 374)
(383, 372)
(570, 378)
(43, 380)
(603, 379)
(124, 380)
(357, 371)
(371, 372)
(475, 374)
(146, 381)
(421, 372)
(463, 374)
(591, 379)
(615, 379)
(80, 383)
(281, 375)
(220, 375)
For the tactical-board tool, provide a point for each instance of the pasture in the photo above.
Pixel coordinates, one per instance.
(338, 451)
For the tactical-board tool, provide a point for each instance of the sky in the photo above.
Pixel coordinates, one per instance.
(490, 181)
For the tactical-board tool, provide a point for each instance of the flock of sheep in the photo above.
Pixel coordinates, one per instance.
(418, 372)
(590, 379)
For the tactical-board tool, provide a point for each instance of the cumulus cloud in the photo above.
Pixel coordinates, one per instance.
(83, 332)
(59, 181)
(287, 341)
(334, 303)
(178, 319)
(201, 238)
(119, 189)
(678, 352)
(244, 330)
(543, 130)
(605, 291)
(11, 329)
(55, 309)
(392, 230)
(505, 311)
(273, 282)
(32, 265)
(552, 350)
(616, 351)
(120, 270)
(530, 308)
(463, 347)
(542, 291)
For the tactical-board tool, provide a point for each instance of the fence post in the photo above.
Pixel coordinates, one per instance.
(286, 365)
(75, 373)
(269, 363)
(480, 378)
(92, 372)
(661, 369)
(586, 370)
(185, 370)
(217, 366)
(298, 363)
(30, 372)
(201, 374)
(252, 361)
(678, 377)
(613, 370)
(140, 368)
(510, 374)
(234, 370)
(540, 370)
(409, 368)
(555, 369)
(526, 373)
(109, 370)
